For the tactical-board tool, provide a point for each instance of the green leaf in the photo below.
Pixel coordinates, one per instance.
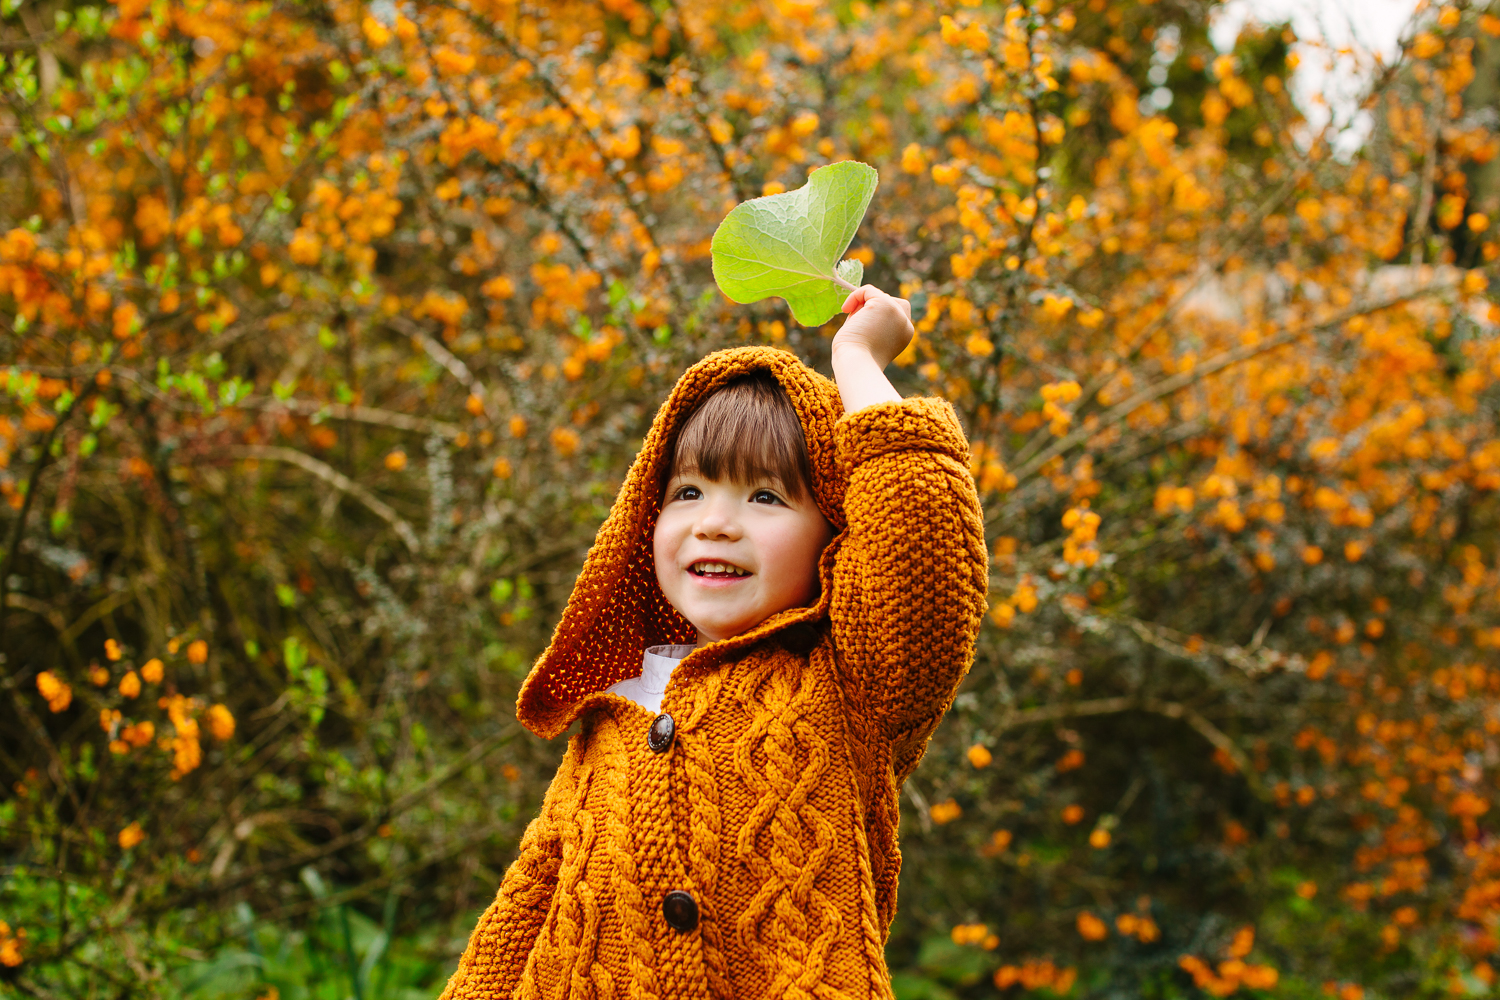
(789, 244)
(294, 653)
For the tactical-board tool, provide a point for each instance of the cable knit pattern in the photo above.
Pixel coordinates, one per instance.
(787, 841)
(705, 830)
(775, 805)
(634, 917)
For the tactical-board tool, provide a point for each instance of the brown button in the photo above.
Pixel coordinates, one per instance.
(659, 736)
(680, 910)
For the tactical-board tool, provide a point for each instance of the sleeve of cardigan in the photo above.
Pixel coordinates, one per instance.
(910, 578)
(502, 942)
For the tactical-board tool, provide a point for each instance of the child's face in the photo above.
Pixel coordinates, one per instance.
(766, 544)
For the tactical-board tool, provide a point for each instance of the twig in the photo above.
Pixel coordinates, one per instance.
(334, 478)
(307, 407)
(55, 768)
(1171, 384)
(446, 358)
(39, 608)
(474, 754)
(924, 812)
(359, 414)
(70, 633)
(1170, 709)
(1429, 172)
(355, 892)
(1253, 661)
(14, 545)
(634, 199)
(1180, 300)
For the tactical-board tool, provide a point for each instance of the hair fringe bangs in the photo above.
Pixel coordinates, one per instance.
(745, 432)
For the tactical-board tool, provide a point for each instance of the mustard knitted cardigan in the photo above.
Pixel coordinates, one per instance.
(742, 844)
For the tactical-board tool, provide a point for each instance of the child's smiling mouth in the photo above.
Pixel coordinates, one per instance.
(707, 569)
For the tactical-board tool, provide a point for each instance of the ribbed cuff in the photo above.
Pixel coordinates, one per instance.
(917, 424)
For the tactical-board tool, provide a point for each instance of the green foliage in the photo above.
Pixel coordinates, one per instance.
(790, 244)
(335, 953)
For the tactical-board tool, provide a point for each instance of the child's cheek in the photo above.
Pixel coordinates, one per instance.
(663, 552)
(789, 574)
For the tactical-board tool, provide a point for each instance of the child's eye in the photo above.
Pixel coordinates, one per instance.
(688, 493)
(765, 496)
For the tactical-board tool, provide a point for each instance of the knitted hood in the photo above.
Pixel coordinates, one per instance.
(617, 608)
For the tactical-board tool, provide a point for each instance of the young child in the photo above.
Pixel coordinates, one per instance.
(770, 624)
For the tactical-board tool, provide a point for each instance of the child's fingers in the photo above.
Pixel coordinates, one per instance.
(868, 293)
(857, 298)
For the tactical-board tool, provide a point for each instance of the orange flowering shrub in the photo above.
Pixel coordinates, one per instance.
(1037, 974)
(329, 335)
(11, 943)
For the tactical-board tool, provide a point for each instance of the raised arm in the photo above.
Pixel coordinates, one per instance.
(878, 328)
(910, 580)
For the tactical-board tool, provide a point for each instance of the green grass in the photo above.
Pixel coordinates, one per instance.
(338, 954)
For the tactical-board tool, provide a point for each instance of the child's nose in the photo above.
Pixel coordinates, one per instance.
(717, 522)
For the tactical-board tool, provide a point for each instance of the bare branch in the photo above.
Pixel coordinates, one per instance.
(303, 407)
(473, 755)
(1429, 174)
(1173, 383)
(633, 198)
(1077, 709)
(446, 358)
(359, 414)
(1170, 709)
(334, 478)
(39, 608)
(1253, 660)
(93, 614)
(18, 530)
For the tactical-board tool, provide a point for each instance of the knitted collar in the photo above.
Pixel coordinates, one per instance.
(617, 609)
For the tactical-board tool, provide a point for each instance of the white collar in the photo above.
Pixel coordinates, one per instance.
(657, 665)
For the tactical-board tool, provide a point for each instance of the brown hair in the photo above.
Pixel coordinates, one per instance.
(745, 430)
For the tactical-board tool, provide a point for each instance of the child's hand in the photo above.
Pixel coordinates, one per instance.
(878, 328)
(878, 323)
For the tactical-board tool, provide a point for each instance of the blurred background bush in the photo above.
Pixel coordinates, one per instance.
(332, 327)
